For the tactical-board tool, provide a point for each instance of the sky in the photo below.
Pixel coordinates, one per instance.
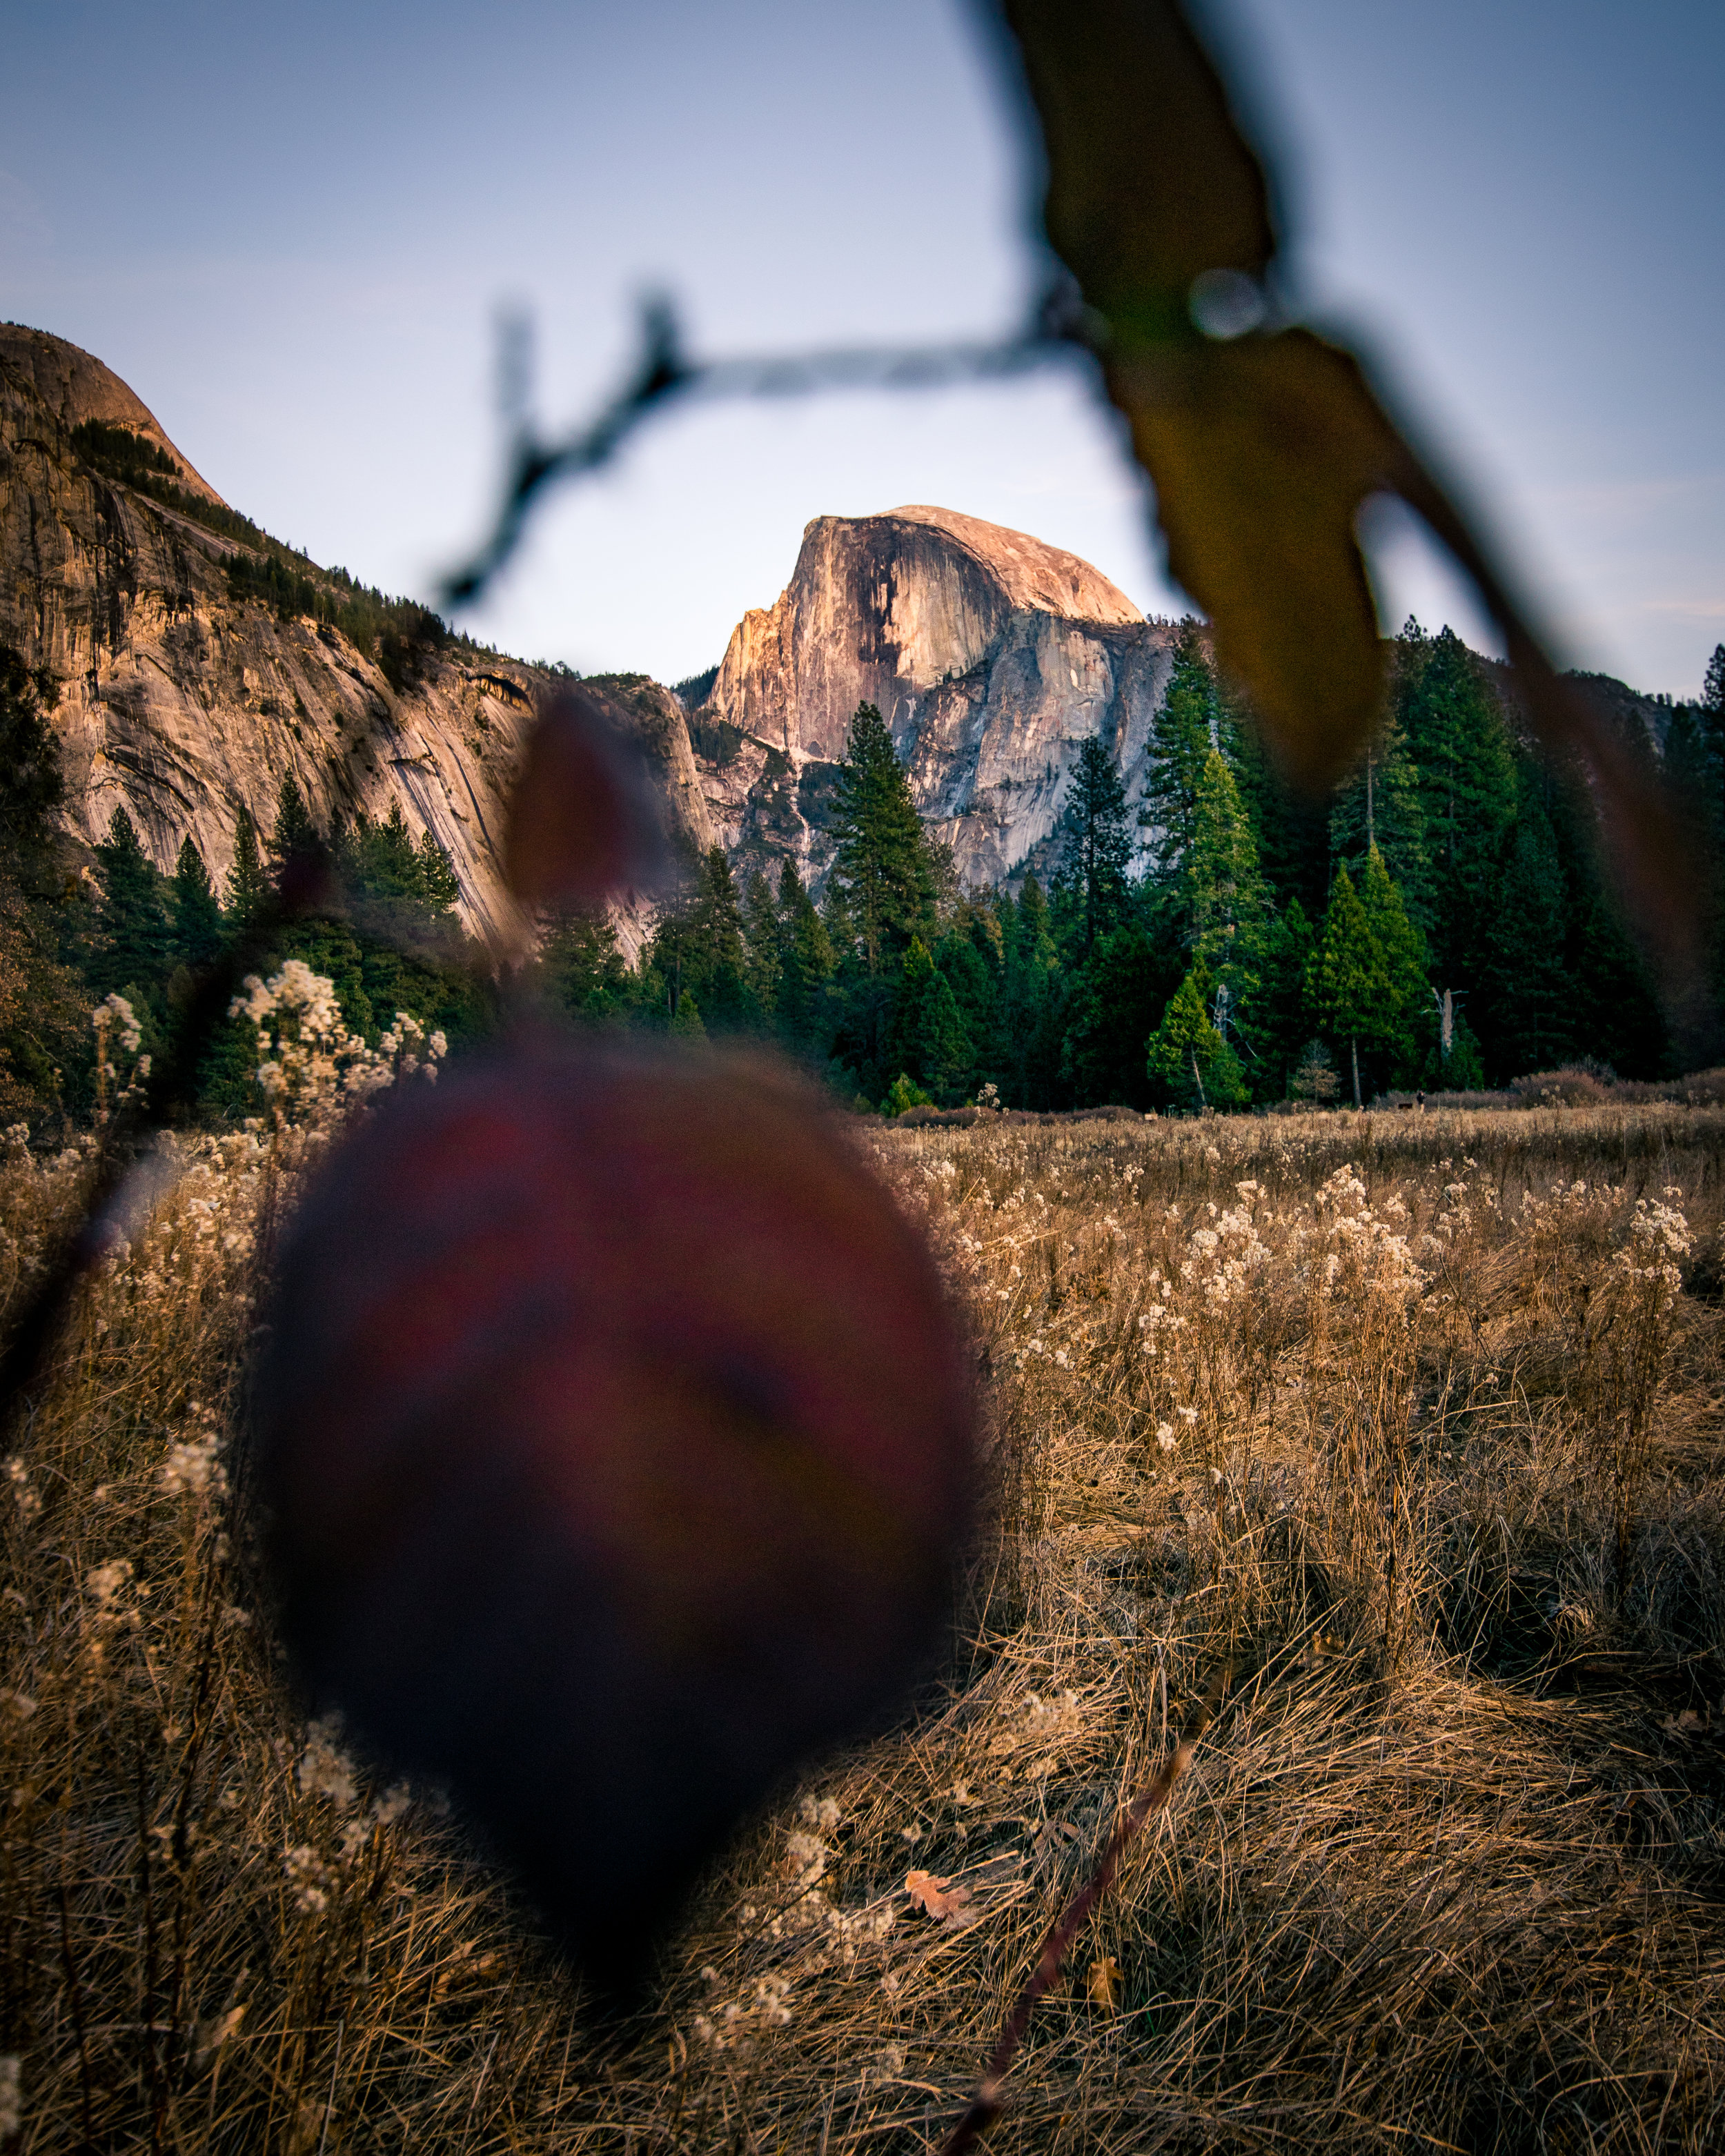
(293, 231)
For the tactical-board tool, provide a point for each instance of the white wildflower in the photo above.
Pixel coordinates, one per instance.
(324, 1770)
(104, 1582)
(306, 1875)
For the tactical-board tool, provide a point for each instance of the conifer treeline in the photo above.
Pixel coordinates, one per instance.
(1220, 941)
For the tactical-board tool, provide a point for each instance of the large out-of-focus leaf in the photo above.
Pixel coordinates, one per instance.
(1261, 448)
(583, 823)
(1263, 451)
(1264, 445)
(1150, 182)
(616, 1434)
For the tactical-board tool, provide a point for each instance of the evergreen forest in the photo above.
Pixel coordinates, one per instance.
(1441, 921)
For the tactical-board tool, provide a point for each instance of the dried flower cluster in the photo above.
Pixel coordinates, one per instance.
(309, 1067)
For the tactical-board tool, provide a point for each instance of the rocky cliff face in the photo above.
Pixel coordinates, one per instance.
(188, 704)
(990, 655)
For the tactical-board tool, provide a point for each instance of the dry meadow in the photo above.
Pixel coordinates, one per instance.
(1410, 1423)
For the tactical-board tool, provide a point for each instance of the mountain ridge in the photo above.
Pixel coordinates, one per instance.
(201, 662)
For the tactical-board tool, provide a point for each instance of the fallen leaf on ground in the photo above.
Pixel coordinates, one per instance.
(939, 1898)
(1101, 1987)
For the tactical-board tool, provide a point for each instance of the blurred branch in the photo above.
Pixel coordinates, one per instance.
(663, 373)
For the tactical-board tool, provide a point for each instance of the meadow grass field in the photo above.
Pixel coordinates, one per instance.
(1410, 1423)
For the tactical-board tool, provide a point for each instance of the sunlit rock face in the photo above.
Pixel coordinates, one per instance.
(990, 655)
(186, 704)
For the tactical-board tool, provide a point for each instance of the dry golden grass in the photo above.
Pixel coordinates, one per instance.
(1435, 1467)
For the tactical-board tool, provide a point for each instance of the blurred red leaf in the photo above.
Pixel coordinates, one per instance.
(618, 1439)
(584, 823)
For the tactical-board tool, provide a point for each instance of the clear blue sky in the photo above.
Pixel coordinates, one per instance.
(290, 228)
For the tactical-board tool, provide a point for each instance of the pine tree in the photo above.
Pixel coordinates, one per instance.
(804, 1016)
(1113, 1004)
(1525, 1004)
(1695, 770)
(1183, 732)
(32, 786)
(1348, 989)
(1094, 841)
(926, 1038)
(197, 933)
(1403, 949)
(1029, 967)
(1225, 897)
(970, 955)
(294, 836)
(698, 948)
(584, 967)
(764, 951)
(1291, 828)
(1278, 1020)
(717, 951)
(439, 883)
(1379, 805)
(1460, 744)
(133, 936)
(382, 862)
(246, 891)
(1187, 1058)
(1313, 1076)
(1613, 1010)
(44, 1009)
(882, 871)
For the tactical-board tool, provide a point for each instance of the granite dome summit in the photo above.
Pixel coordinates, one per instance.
(990, 655)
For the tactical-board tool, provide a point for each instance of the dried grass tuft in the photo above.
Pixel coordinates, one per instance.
(1414, 1420)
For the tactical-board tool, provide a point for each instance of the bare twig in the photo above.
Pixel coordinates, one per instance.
(985, 2105)
(663, 371)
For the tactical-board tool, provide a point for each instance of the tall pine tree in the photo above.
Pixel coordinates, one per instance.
(198, 936)
(805, 1015)
(1224, 892)
(926, 1041)
(763, 946)
(1403, 948)
(44, 1011)
(1182, 731)
(294, 836)
(1095, 841)
(882, 870)
(133, 935)
(1349, 987)
(1277, 1022)
(1186, 1060)
(246, 890)
(1379, 805)
(1525, 1006)
(1460, 744)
